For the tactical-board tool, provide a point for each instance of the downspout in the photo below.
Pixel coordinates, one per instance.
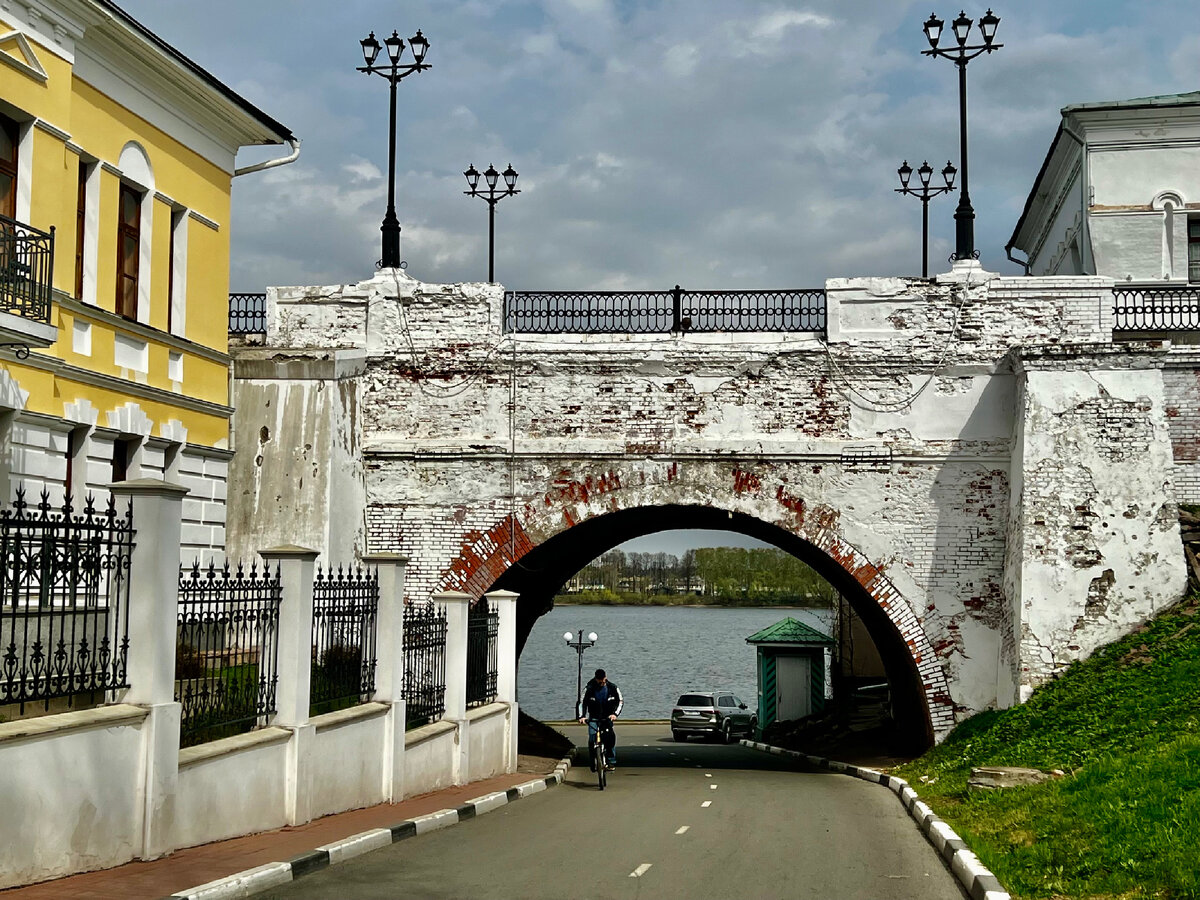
(1085, 231)
(1024, 264)
(272, 163)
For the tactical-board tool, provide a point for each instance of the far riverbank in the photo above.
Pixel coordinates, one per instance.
(610, 598)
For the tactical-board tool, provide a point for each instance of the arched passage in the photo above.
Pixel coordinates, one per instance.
(537, 572)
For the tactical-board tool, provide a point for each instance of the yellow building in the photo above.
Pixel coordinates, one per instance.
(116, 166)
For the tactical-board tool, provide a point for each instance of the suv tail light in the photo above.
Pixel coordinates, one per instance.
(676, 711)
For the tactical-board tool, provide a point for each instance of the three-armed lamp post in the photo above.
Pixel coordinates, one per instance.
(924, 173)
(393, 71)
(579, 645)
(493, 196)
(964, 216)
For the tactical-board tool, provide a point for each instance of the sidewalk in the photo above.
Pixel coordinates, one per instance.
(198, 865)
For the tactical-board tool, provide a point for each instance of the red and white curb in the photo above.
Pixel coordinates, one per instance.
(265, 877)
(978, 881)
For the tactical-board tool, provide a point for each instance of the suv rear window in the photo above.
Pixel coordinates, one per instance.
(695, 700)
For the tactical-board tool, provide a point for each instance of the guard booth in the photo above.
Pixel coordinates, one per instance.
(793, 665)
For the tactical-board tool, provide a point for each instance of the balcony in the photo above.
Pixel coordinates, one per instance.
(247, 315)
(26, 277)
(1142, 308)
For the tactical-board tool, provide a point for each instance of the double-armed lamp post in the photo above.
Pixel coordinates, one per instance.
(925, 191)
(579, 645)
(393, 71)
(964, 216)
(493, 196)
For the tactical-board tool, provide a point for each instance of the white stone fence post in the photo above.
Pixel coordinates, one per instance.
(153, 627)
(296, 569)
(505, 603)
(389, 666)
(457, 606)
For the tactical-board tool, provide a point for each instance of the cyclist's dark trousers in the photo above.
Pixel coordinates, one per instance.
(608, 738)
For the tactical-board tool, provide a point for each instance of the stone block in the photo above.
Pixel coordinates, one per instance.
(987, 778)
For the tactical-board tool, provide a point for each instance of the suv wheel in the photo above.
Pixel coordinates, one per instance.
(678, 736)
(726, 733)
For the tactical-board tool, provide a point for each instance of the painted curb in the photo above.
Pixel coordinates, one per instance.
(977, 880)
(263, 878)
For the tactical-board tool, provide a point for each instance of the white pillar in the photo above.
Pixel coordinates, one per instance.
(457, 605)
(389, 665)
(296, 567)
(505, 603)
(153, 628)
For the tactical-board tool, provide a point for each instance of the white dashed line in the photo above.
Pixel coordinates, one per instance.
(683, 829)
(712, 787)
(707, 775)
(640, 870)
(706, 803)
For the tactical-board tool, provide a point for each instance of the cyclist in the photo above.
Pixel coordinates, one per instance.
(600, 701)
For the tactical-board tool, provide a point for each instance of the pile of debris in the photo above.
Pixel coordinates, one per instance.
(1189, 525)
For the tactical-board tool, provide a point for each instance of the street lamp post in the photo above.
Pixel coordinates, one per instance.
(393, 71)
(924, 173)
(579, 645)
(964, 216)
(493, 196)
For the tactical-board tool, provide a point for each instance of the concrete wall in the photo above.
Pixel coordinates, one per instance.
(426, 750)
(488, 736)
(343, 777)
(72, 789)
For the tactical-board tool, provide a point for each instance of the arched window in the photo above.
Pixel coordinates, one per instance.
(134, 231)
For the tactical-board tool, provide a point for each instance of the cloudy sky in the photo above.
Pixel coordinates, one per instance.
(711, 143)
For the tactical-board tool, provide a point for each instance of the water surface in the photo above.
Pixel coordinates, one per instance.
(654, 653)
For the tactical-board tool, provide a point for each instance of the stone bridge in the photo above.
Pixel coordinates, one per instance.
(983, 471)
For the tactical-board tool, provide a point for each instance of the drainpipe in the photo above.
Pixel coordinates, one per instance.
(272, 163)
(1085, 231)
(1024, 264)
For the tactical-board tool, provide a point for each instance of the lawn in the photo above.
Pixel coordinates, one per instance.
(1122, 820)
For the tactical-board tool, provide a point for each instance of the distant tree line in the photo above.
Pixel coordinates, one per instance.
(711, 575)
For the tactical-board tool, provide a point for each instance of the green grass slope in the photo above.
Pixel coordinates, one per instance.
(1123, 820)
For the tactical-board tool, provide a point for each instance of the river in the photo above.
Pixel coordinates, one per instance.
(653, 653)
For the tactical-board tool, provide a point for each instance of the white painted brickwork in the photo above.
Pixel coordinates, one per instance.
(939, 448)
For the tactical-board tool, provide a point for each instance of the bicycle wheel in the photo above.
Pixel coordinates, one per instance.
(598, 755)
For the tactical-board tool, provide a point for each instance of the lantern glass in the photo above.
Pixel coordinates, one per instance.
(925, 173)
(933, 30)
(962, 28)
(905, 173)
(987, 25)
(592, 636)
(510, 177)
(490, 175)
(419, 46)
(948, 173)
(472, 176)
(370, 48)
(395, 47)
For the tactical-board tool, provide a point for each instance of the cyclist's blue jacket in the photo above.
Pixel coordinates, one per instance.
(591, 707)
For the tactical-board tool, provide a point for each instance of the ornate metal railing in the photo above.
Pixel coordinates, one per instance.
(1156, 308)
(424, 663)
(247, 313)
(227, 650)
(483, 625)
(657, 312)
(26, 270)
(64, 601)
(345, 609)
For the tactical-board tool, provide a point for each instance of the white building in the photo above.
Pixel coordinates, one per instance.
(1118, 194)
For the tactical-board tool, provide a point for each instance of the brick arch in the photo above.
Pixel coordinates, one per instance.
(572, 504)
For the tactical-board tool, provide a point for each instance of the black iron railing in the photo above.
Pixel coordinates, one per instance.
(483, 625)
(658, 312)
(1157, 308)
(26, 270)
(64, 601)
(227, 650)
(424, 663)
(345, 609)
(247, 313)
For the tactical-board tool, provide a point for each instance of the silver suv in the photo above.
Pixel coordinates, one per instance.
(713, 714)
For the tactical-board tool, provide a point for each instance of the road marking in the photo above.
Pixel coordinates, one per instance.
(640, 870)
(683, 829)
(708, 775)
(705, 804)
(712, 787)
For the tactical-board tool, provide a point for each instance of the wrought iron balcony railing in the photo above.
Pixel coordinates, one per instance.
(26, 270)
(657, 312)
(1147, 307)
(247, 313)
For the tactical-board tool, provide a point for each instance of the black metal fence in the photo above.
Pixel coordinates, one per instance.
(424, 663)
(26, 270)
(1157, 308)
(247, 313)
(64, 601)
(227, 650)
(345, 611)
(483, 625)
(657, 312)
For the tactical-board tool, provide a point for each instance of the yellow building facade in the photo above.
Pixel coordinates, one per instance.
(119, 153)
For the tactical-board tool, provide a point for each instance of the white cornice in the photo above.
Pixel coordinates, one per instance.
(204, 220)
(52, 130)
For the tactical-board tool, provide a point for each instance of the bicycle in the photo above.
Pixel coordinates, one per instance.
(596, 751)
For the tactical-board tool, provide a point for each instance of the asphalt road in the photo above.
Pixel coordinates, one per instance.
(687, 820)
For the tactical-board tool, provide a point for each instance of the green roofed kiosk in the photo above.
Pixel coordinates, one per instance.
(792, 666)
